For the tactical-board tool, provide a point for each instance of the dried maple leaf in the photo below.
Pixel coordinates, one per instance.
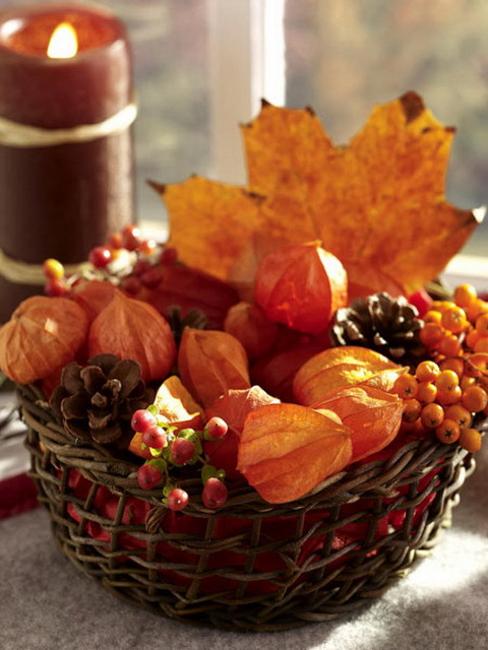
(378, 203)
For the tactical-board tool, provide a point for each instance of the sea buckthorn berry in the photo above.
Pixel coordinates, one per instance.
(142, 420)
(53, 269)
(464, 295)
(431, 334)
(481, 345)
(411, 410)
(442, 305)
(475, 399)
(475, 309)
(448, 432)
(472, 339)
(466, 382)
(432, 415)
(470, 440)
(406, 386)
(100, 256)
(177, 499)
(446, 397)
(460, 415)
(427, 371)
(426, 392)
(148, 476)
(447, 380)
(454, 319)
(454, 364)
(214, 494)
(433, 316)
(56, 288)
(450, 346)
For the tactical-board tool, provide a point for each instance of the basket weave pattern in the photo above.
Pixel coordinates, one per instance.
(251, 565)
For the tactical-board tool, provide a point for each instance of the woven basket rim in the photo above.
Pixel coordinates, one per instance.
(413, 460)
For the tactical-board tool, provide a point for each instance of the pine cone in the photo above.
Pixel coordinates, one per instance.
(388, 325)
(194, 318)
(96, 402)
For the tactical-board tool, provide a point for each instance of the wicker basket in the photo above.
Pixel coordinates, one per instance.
(251, 565)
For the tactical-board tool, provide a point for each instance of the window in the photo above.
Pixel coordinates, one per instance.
(202, 65)
(342, 57)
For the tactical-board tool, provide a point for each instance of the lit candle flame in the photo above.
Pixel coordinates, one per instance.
(63, 43)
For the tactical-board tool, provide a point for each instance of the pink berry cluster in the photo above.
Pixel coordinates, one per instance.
(126, 259)
(173, 449)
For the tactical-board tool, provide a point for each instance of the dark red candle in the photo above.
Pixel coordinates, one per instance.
(65, 183)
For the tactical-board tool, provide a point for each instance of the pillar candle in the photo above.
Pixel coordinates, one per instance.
(66, 163)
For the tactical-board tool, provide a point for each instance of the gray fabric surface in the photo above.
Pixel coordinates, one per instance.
(45, 604)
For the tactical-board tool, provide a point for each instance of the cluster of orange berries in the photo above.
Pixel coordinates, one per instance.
(450, 328)
(443, 398)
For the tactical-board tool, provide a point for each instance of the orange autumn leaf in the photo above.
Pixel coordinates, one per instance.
(373, 415)
(176, 405)
(210, 363)
(343, 367)
(286, 450)
(378, 204)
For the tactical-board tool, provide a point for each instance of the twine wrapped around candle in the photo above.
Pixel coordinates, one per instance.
(15, 134)
(19, 272)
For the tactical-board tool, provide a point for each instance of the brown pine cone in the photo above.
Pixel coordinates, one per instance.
(388, 325)
(96, 402)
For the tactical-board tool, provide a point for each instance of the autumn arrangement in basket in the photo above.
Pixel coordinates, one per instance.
(282, 336)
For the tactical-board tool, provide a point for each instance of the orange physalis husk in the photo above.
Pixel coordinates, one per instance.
(138, 448)
(177, 406)
(42, 335)
(301, 286)
(249, 325)
(377, 204)
(342, 367)
(210, 362)
(287, 450)
(373, 415)
(233, 407)
(93, 296)
(132, 329)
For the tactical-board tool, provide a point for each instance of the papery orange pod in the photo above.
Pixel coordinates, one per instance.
(211, 362)
(138, 448)
(42, 335)
(132, 329)
(373, 415)
(233, 406)
(301, 286)
(93, 296)
(275, 373)
(249, 325)
(177, 406)
(342, 367)
(287, 450)
(186, 288)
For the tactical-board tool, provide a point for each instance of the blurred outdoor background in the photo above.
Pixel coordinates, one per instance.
(340, 56)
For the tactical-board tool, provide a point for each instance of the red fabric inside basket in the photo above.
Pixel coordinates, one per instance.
(349, 537)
